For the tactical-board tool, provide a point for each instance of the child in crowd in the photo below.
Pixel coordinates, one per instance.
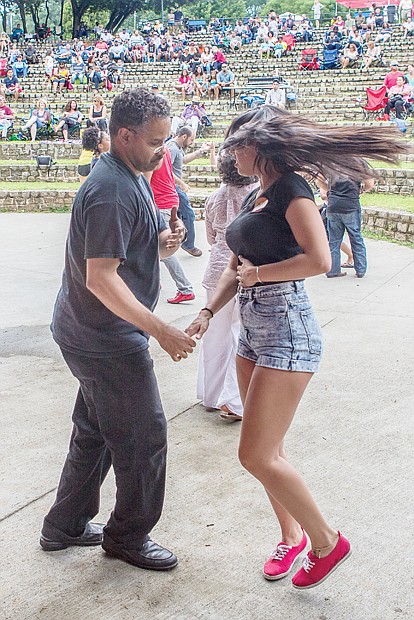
(94, 143)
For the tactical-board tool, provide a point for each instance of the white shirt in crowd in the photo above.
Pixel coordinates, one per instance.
(276, 97)
(317, 8)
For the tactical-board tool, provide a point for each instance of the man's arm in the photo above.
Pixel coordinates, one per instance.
(195, 154)
(181, 184)
(103, 281)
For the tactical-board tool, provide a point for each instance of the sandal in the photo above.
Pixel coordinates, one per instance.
(348, 265)
(228, 415)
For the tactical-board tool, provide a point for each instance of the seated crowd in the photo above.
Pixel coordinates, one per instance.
(204, 70)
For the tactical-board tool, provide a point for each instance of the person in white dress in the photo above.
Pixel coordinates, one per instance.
(217, 380)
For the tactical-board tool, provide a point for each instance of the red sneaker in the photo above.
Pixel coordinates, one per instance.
(180, 297)
(282, 559)
(315, 570)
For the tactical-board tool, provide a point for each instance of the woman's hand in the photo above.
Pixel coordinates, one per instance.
(246, 273)
(200, 325)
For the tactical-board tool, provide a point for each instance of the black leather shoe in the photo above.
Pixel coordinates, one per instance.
(53, 539)
(150, 555)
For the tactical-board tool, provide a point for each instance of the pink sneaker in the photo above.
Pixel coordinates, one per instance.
(315, 570)
(282, 559)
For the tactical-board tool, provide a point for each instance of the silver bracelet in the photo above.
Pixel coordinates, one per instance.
(257, 275)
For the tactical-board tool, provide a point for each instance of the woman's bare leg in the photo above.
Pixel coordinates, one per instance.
(271, 398)
(291, 531)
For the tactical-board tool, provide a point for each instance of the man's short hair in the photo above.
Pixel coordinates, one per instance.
(185, 131)
(135, 107)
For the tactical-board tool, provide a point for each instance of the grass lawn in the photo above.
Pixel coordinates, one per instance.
(388, 202)
(405, 165)
(38, 185)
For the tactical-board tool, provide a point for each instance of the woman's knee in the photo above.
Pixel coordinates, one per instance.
(257, 463)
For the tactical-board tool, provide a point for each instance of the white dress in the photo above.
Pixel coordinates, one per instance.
(217, 379)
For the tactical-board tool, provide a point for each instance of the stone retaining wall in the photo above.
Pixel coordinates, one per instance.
(58, 172)
(391, 224)
(396, 225)
(40, 200)
(391, 181)
(395, 181)
(29, 150)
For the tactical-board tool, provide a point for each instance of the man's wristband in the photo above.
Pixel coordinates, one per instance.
(208, 310)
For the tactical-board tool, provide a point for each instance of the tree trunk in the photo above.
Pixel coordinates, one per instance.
(35, 17)
(47, 13)
(62, 5)
(78, 11)
(4, 17)
(21, 6)
(117, 18)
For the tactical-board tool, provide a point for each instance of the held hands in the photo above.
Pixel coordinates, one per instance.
(178, 230)
(246, 273)
(176, 343)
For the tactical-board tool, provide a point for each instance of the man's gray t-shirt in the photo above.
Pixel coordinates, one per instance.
(177, 156)
(113, 216)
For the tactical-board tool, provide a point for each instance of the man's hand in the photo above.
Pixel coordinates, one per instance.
(184, 187)
(176, 343)
(174, 221)
(174, 239)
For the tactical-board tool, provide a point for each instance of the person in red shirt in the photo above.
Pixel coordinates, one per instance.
(390, 79)
(100, 48)
(166, 197)
(6, 117)
(219, 58)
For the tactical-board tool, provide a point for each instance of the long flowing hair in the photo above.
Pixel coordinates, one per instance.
(290, 143)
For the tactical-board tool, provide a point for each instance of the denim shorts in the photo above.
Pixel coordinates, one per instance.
(278, 327)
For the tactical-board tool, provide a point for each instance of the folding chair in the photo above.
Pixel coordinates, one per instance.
(330, 59)
(376, 102)
(308, 60)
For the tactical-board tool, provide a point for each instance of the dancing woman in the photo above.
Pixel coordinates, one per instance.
(278, 240)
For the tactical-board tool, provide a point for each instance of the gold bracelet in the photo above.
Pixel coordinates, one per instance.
(257, 275)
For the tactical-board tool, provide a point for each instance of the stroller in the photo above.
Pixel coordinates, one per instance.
(308, 60)
(330, 59)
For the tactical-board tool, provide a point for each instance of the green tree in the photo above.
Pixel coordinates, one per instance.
(6, 5)
(121, 10)
(299, 7)
(235, 9)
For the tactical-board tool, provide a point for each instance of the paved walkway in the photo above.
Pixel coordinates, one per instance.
(352, 440)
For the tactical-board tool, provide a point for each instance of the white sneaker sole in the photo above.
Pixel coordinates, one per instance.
(313, 585)
(276, 577)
